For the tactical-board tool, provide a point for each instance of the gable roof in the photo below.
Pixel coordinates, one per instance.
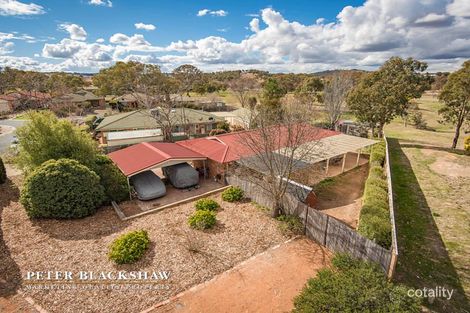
(147, 155)
(142, 119)
(230, 147)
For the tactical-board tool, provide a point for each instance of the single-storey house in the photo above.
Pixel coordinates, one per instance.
(241, 117)
(83, 98)
(24, 100)
(145, 126)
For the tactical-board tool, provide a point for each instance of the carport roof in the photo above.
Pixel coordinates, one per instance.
(148, 155)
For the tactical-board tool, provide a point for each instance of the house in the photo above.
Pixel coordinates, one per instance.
(83, 98)
(241, 117)
(124, 102)
(146, 125)
(23, 100)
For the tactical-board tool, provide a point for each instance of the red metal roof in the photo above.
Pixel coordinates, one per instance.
(142, 156)
(229, 147)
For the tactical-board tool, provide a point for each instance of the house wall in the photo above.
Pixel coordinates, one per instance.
(214, 168)
(4, 106)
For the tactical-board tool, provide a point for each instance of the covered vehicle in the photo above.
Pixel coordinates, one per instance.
(181, 175)
(148, 185)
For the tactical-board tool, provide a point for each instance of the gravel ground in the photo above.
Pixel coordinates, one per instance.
(191, 256)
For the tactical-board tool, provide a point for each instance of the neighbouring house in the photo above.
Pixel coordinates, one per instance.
(125, 102)
(83, 98)
(24, 100)
(241, 117)
(129, 128)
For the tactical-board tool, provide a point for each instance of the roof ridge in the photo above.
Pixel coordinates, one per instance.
(114, 121)
(148, 145)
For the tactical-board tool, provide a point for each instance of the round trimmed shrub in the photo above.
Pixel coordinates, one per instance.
(232, 194)
(466, 144)
(3, 172)
(374, 191)
(111, 178)
(202, 219)
(373, 209)
(207, 204)
(129, 247)
(61, 188)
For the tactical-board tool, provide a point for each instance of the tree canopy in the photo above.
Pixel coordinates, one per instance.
(384, 94)
(272, 93)
(46, 137)
(456, 96)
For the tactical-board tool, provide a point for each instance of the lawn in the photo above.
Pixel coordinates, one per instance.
(191, 256)
(431, 184)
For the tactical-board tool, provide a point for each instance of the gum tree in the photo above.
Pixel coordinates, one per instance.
(384, 94)
(456, 96)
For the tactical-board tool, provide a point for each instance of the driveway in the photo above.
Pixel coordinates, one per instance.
(5, 139)
(267, 282)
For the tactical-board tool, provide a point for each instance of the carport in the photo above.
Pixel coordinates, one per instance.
(152, 155)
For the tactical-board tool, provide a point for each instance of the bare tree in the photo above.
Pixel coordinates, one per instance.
(278, 146)
(243, 87)
(334, 97)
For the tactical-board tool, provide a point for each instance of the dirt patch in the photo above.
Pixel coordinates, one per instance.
(5, 129)
(267, 282)
(450, 169)
(191, 256)
(342, 197)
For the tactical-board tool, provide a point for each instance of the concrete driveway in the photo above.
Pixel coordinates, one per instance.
(5, 139)
(267, 282)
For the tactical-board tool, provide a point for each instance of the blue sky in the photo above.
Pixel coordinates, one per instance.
(281, 36)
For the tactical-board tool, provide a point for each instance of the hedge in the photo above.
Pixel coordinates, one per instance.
(202, 219)
(61, 189)
(111, 178)
(129, 247)
(466, 144)
(3, 172)
(374, 220)
(353, 286)
(232, 194)
(206, 204)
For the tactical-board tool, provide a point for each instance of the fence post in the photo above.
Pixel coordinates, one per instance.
(326, 230)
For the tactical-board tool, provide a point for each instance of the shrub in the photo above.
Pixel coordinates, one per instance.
(207, 204)
(377, 182)
(378, 203)
(377, 156)
(376, 228)
(89, 122)
(466, 144)
(232, 194)
(202, 219)
(45, 137)
(418, 121)
(111, 178)
(353, 286)
(129, 247)
(375, 192)
(3, 172)
(290, 225)
(61, 189)
(376, 171)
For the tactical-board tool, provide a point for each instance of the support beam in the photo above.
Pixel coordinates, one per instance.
(327, 166)
(204, 165)
(129, 187)
(358, 157)
(344, 163)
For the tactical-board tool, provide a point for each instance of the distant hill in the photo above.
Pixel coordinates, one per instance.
(333, 72)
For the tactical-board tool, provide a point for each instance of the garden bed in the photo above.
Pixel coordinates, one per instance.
(191, 256)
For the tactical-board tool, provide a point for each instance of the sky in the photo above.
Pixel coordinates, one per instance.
(277, 36)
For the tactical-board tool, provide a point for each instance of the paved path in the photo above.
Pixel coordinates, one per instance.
(5, 139)
(265, 283)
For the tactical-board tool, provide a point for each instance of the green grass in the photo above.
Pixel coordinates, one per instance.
(424, 259)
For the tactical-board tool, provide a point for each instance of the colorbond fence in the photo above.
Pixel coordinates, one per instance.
(327, 230)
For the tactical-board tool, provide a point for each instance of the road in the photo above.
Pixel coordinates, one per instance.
(5, 140)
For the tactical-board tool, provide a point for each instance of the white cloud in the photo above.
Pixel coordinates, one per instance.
(76, 32)
(134, 40)
(144, 26)
(360, 37)
(106, 3)
(100, 40)
(204, 12)
(6, 47)
(459, 8)
(13, 7)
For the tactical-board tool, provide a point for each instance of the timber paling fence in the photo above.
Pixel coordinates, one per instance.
(329, 231)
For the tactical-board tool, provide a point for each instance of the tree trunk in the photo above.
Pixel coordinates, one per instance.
(381, 131)
(275, 212)
(457, 134)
